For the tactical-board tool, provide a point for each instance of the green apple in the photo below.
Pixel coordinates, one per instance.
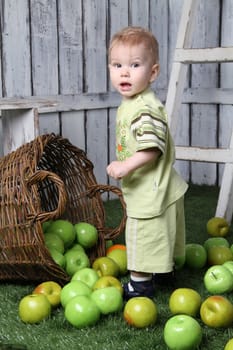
(87, 234)
(195, 255)
(120, 257)
(76, 246)
(58, 257)
(86, 275)
(179, 262)
(45, 225)
(105, 266)
(76, 260)
(72, 289)
(218, 255)
(65, 230)
(182, 332)
(108, 281)
(217, 311)
(108, 300)
(217, 227)
(229, 345)
(81, 311)
(185, 301)
(52, 240)
(215, 242)
(108, 243)
(52, 290)
(228, 265)
(140, 312)
(34, 308)
(218, 279)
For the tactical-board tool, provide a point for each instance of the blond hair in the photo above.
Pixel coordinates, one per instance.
(135, 36)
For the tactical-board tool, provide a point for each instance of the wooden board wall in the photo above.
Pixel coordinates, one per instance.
(59, 47)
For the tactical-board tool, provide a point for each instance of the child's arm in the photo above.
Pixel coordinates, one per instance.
(120, 169)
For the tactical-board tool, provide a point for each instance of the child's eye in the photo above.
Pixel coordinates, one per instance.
(135, 65)
(116, 65)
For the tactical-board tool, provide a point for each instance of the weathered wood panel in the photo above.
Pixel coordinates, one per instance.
(204, 125)
(58, 48)
(44, 57)
(226, 112)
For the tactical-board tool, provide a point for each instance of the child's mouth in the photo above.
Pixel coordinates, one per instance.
(125, 86)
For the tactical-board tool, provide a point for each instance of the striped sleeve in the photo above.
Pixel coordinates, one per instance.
(149, 131)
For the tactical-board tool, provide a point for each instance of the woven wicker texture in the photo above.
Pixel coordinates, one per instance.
(45, 179)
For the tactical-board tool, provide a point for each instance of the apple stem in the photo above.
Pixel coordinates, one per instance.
(213, 275)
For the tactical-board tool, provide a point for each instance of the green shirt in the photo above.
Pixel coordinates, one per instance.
(142, 124)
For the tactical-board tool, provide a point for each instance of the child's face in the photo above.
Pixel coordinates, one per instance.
(131, 69)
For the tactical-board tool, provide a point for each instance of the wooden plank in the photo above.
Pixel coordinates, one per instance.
(205, 117)
(226, 74)
(210, 155)
(158, 24)
(19, 127)
(118, 19)
(70, 46)
(182, 133)
(209, 95)
(73, 127)
(15, 47)
(94, 17)
(207, 55)
(11, 103)
(225, 200)
(71, 75)
(44, 59)
(139, 13)
(179, 71)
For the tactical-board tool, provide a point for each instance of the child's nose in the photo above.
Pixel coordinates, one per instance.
(124, 72)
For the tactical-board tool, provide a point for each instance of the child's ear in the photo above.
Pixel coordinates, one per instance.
(154, 72)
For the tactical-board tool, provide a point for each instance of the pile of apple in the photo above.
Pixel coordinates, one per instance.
(94, 291)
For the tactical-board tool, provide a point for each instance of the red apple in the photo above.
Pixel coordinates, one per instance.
(185, 301)
(217, 311)
(52, 290)
(182, 332)
(34, 308)
(81, 311)
(140, 312)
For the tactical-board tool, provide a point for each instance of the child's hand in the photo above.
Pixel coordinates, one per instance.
(117, 170)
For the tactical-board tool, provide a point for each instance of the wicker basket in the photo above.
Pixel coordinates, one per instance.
(45, 179)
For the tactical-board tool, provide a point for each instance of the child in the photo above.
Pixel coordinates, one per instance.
(152, 189)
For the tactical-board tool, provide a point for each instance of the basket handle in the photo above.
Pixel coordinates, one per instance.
(110, 233)
(39, 176)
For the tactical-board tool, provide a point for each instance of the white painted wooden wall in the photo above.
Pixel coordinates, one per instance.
(59, 48)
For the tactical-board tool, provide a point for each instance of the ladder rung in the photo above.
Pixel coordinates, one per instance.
(208, 55)
(212, 155)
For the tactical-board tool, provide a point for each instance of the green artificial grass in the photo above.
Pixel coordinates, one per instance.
(111, 332)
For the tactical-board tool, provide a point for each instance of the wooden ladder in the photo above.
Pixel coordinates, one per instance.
(185, 55)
